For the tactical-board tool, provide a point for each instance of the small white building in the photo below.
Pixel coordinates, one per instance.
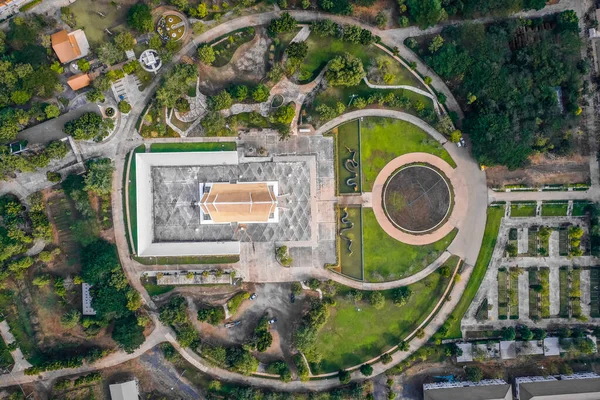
(86, 299)
(125, 391)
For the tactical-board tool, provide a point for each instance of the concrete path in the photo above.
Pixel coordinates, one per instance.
(21, 363)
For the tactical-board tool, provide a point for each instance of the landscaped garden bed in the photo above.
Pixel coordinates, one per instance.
(544, 279)
(563, 275)
(192, 146)
(351, 258)
(551, 209)
(575, 292)
(170, 27)
(595, 292)
(534, 306)
(226, 46)
(513, 293)
(579, 208)
(502, 293)
(348, 158)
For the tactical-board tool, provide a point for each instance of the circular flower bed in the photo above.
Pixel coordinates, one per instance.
(417, 198)
(110, 112)
(170, 27)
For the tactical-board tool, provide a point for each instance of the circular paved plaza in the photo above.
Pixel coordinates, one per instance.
(417, 198)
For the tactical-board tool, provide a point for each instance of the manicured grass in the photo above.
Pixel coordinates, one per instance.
(575, 293)
(387, 259)
(357, 332)
(187, 260)
(157, 290)
(492, 225)
(383, 139)
(522, 209)
(323, 49)
(193, 146)
(544, 279)
(513, 294)
(579, 208)
(554, 210)
(347, 138)
(351, 265)
(132, 192)
(563, 275)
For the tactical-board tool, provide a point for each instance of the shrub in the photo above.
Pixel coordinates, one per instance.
(285, 23)
(213, 315)
(53, 176)
(260, 93)
(366, 369)
(283, 256)
(234, 303)
(344, 377)
(206, 54)
(124, 107)
(386, 358)
(296, 288)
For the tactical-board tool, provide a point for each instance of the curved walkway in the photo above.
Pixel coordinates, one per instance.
(406, 87)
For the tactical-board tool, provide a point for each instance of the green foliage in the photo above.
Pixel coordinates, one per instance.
(182, 105)
(71, 319)
(301, 367)
(240, 360)
(109, 53)
(175, 84)
(386, 358)
(366, 369)
(95, 95)
(401, 295)
(345, 70)
(206, 54)
(52, 111)
(98, 179)
(213, 123)
(297, 50)
(234, 303)
(240, 92)
(124, 107)
(262, 339)
(481, 59)
(220, 101)
(213, 315)
(473, 374)
(509, 333)
(260, 93)
(344, 377)
(285, 23)
(83, 65)
(377, 300)
(89, 126)
(425, 13)
(285, 114)
(280, 368)
(139, 17)
(124, 41)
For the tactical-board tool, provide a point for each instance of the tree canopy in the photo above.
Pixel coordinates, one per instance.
(139, 17)
(345, 70)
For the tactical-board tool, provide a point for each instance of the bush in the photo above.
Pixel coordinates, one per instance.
(124, 107)
(474, 374)
(53, 176)
(345, 70)
(296, 288)
(234, 303)
(213, 315)
(280, 368)
(260, 93)
(366, 369)
(344, 377)
(283, 256)
(386, 358)
(285, 23)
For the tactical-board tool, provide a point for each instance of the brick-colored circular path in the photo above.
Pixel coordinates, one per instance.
(458, 212)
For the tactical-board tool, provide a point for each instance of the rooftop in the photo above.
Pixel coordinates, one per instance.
(70, 46)
(124, 391)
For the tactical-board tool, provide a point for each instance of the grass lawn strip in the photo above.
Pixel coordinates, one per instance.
(563, 277)
(132, 193)
(352, 336)
(522, 209)
(383, 139)
(554, 209)
(579, 207)
(492, 225)
(192, 146)
(595, 292)
(544, 277)
(575, 293)
(225, 49)
(386, 259)
(513, 293)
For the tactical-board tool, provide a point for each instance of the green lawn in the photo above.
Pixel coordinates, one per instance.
(383, 139)
(132, 197)
(347, 138)
(226, 48)
(351, 265)
(579, 208)
(387, 259)
(187, 260)
(323, 49)
(352, 336)
(492, 225)
(192, 146)
(157, 290)
(523, 209)
(18, 317)
(554, 209)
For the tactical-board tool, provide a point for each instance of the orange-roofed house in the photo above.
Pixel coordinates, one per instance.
(70, 46)
(79, 81)
(251, 202)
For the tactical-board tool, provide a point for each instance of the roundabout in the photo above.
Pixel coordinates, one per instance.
(417, 198)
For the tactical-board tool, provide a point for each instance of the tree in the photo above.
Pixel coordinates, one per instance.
(240, 360)
(285, 23)
(109, 53)
(474, 374)
(20, 97)
(98, 179)
(455, 136)
(41, 281)
(88, 126)
(401, 295)
(324, 27)
(128, 333)
(71, 319)
(285, 114)
(139, 17)
(296, 288)
(385, 358)
(182, 105)
(95, 95)
(124, 107)
(377, 300)
(436, 43)
(539, 334)
(403, 346)
(213, 123)
(526, 333)
(297, 50)
(134, 300)
(124, 41)
(508, 333)
(426, 13)
(220, 101)
(83, 65)
(206, 54)
(202, 10)
(240, 92)
(445, 271)
(176, 84)
(403, 21)
(344, 376)
(568, 21)
(260, 93)
(366, 369)
(345, 70)
(381, 20)
(52, 111)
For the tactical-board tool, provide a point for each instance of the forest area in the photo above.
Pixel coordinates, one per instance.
(519, 82)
